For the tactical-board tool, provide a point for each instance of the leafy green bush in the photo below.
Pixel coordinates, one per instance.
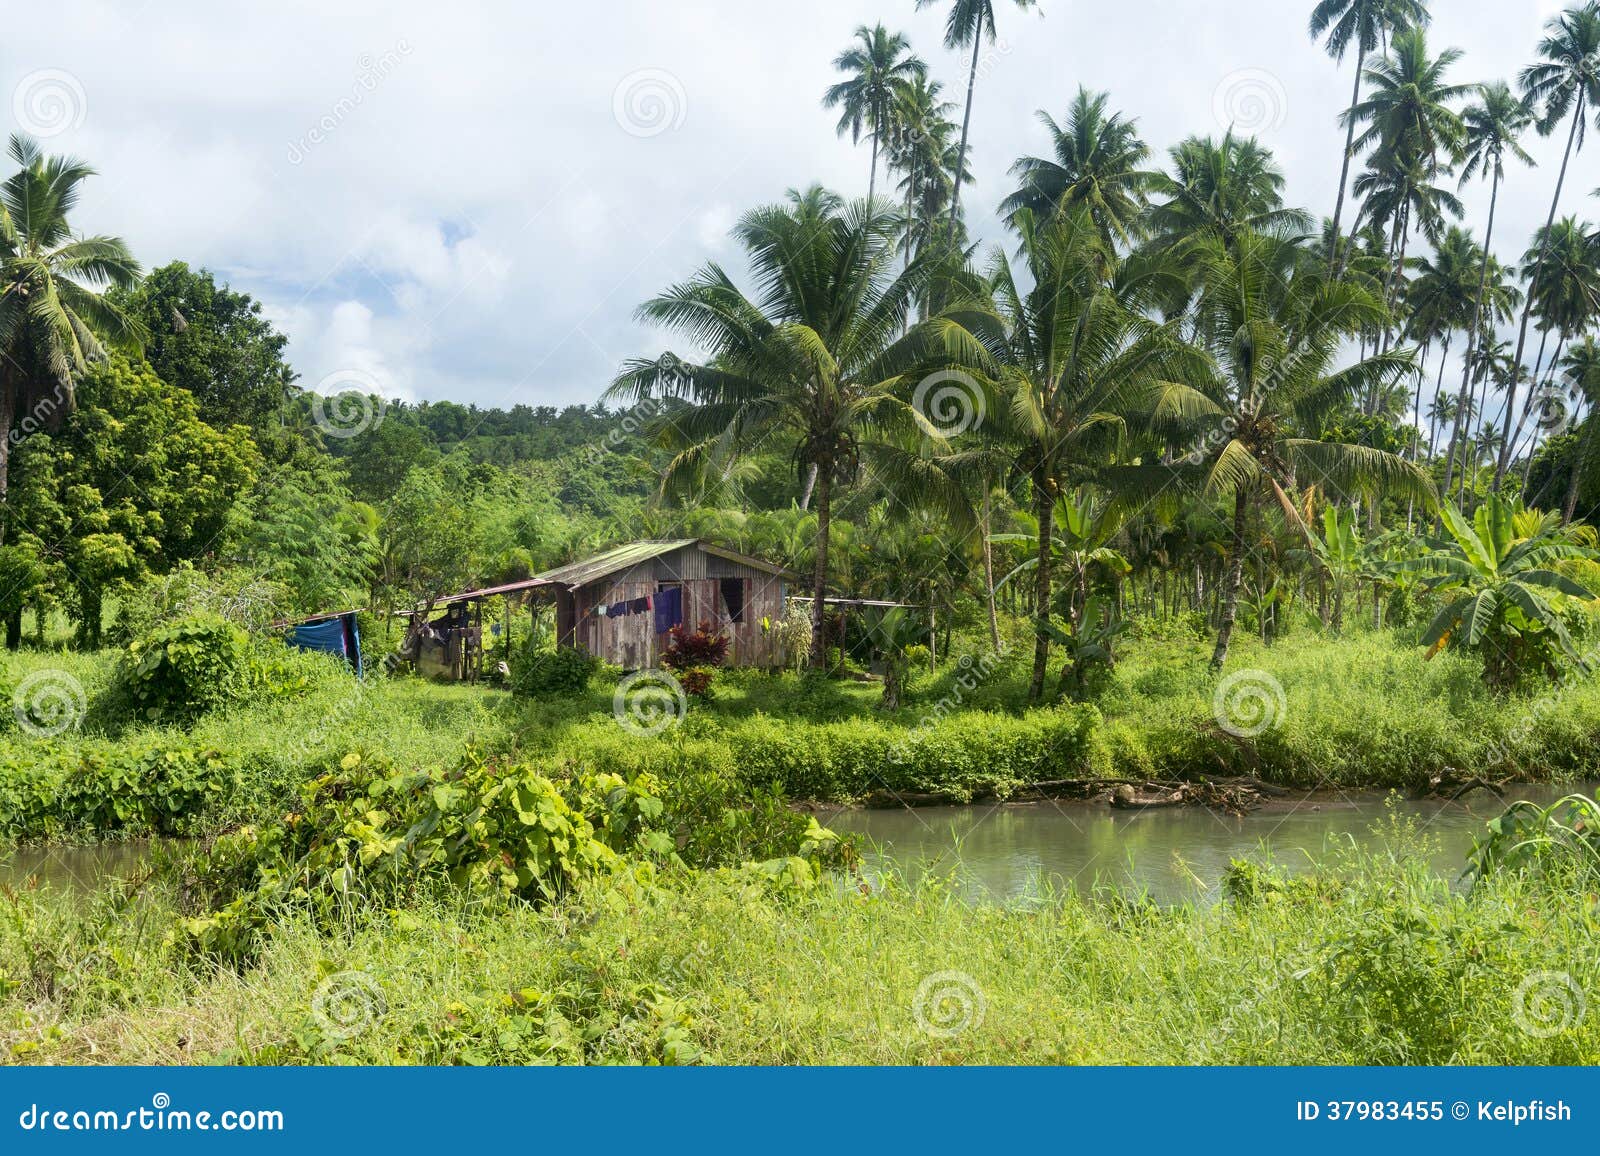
(48, 789)
(178, 672)
(537, 672)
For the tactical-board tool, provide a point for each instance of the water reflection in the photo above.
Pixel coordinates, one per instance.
(1010, 851)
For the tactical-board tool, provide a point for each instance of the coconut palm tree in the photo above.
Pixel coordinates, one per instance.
(1440, 299)
(1364, 24)
(1581, 369)
(821, 354)
(1413, 133)
(1493, 127)
(970, 22)
(1095, 161)
(1221, 188)
(1564, 294)
(1274, 324)
(922, 137)
(1566, 80)
(877, 69)
(1075, 355)
(53, 319)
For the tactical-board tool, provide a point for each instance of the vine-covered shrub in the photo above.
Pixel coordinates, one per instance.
(367, 833)
(538, 672)
(178, 672)
(49, 789)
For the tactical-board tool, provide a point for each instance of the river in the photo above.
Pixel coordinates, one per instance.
(1008, 852)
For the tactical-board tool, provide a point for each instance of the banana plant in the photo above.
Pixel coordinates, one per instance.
(1506, 590)
(1083, 530)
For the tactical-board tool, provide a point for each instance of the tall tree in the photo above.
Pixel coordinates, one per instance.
(1493, 126)
(1566, 80)
(821, 354)
(1095, 161)
(1581, 368)
(1075, 356)
(969, 22)
(212, 341)
(1440, 299)
(1275, 324)
(1364, 24)
(877, 69)
(54, 321)
(1564, 296)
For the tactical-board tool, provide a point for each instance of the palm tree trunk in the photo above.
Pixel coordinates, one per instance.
(872, 181)
(810, 486)
(1527, 307)
(1535, 389)
(1472, 342)
(1232, 579)
(1344, 167)
(8, 401)
(966, 122)
(1045, 508)
(1570, 506)
(819, 583)
(988, 573)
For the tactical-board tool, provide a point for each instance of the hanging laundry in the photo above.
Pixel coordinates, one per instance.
(669, 609)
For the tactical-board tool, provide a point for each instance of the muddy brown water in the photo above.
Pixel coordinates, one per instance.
(1011, 852)
(1018, 851)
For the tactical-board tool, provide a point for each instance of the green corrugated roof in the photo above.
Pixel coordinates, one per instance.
(618, 558)
(622, 557)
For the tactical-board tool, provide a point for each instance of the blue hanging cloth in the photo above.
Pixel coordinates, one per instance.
(330, 636)
(669, 609)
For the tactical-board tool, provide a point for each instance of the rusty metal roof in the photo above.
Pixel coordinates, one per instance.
(575, 574)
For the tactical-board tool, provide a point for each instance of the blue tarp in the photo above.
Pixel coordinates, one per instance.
(331, 636)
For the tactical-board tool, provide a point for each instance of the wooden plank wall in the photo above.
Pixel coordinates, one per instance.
(631, 642)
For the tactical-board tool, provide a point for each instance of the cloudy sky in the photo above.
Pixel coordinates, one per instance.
(468, 200)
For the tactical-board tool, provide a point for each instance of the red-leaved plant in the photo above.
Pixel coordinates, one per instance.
(706, 646)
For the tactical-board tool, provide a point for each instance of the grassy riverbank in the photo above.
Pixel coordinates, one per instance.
(1379, 963)
(1365, 710)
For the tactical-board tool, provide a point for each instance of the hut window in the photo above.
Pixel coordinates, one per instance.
(733, 598)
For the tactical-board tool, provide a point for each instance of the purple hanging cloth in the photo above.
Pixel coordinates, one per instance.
(669, 609)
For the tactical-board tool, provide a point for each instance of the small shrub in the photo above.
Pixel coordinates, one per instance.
(541, 673)
(687, 650)
(697, 681)
(178, 672)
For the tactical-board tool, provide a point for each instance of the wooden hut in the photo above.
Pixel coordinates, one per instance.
(620, 604)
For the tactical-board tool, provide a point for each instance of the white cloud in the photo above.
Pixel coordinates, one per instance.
(473, 222)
